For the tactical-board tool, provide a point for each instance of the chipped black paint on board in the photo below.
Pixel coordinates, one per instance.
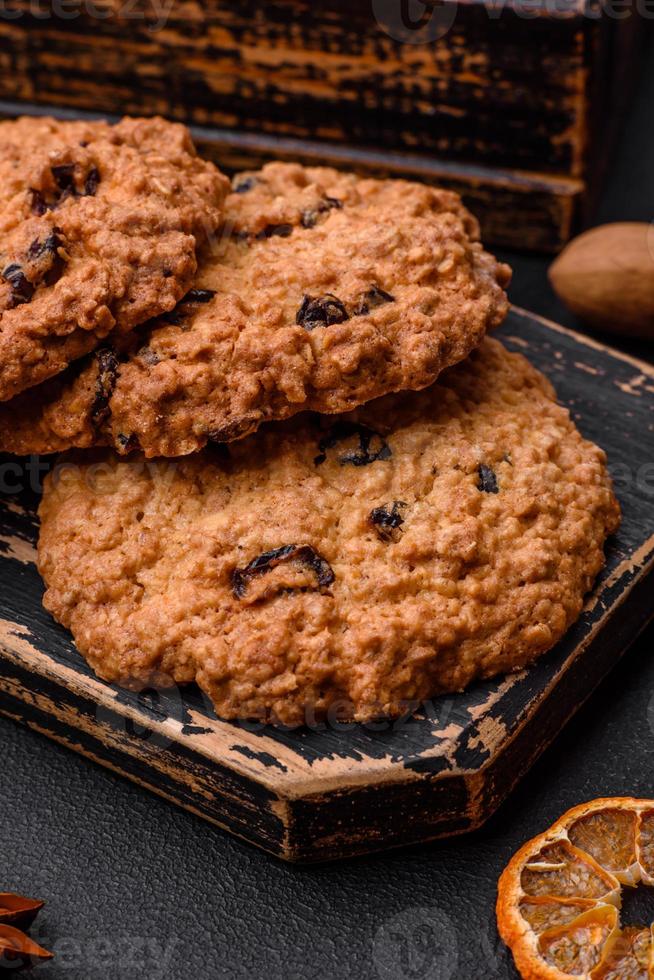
(345, 789)
(265, 758)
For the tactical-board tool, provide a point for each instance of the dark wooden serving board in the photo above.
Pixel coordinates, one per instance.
(343, 790)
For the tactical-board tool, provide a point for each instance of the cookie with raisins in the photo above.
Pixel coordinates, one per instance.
(325, 291)
(100, 226)
(360, 564)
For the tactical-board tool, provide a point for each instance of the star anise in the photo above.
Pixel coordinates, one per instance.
(16, 948)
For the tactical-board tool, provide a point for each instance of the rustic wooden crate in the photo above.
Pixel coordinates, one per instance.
(311, 795)
(511, 109)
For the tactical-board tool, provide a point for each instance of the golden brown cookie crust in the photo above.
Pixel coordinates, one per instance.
(368, 561)
(326, 291)
(99, 228)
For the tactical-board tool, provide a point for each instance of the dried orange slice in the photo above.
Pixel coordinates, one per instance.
(559, 898)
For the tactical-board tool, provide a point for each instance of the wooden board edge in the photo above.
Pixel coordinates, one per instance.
(295, 781)
(280, 852)
(358, 157)
(544, 716)
(292, 844)
(40, 673)
(645, 367)
(238, 751)
(490, 786)
(259, 818)
(643, 574)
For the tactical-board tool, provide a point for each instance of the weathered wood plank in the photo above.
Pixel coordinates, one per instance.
(333, 71)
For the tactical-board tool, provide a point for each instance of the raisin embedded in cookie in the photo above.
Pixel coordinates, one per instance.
(99, 226)
(326, 291)
(367, 561)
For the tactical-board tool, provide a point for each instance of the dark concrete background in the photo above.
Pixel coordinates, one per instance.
(137, 888)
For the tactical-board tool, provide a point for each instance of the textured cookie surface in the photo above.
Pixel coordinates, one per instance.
(326, 291)
(99, 227)
(370, 560)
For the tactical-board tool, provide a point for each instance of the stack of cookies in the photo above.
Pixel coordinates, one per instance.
(296, 471)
